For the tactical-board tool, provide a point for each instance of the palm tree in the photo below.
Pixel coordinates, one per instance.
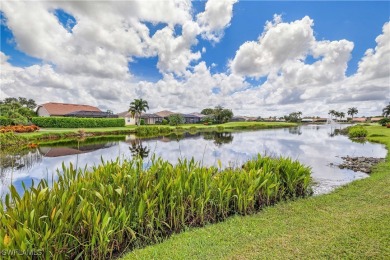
(137, 107)
(331, 113)
(336, 114)
(386, 110)
(341, 115)
(352, 111)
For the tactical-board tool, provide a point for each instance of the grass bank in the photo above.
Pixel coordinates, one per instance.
(59, 133)
(353, 222)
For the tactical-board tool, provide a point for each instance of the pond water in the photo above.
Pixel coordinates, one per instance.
(314, 145)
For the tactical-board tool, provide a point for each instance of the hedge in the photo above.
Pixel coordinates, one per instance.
(75, 122)
(5, 121)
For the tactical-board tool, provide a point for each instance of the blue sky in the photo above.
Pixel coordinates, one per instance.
(357, 22)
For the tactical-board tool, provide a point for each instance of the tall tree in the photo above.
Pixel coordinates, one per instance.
(331, 113)
(386, 110)
(352, 111)
(137, 107)
(341, 115)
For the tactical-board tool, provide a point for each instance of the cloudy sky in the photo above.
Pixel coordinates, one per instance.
(256, 57)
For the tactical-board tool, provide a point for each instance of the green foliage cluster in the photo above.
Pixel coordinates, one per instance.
(10, 139)
(16, 111)
(137, 107)
(294, 117)
(73, 122)
(152, 130)
(100, 212)
(4, 121)
(384, 121)
(217, 115)
(164, 122)
(357, 131)
(176, 119)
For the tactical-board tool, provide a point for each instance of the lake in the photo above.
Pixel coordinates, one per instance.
(314, 145)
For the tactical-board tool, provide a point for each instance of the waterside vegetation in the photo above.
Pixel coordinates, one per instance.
(118, 205)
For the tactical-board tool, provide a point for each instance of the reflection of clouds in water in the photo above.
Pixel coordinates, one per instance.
(313, 147)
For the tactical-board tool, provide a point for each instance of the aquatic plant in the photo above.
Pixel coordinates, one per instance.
(118, 205)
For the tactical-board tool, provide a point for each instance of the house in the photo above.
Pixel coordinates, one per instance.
(359, 120)
(129, 119)
(76, 110)
(376, 119)
(191, 118)
(188, 118)
(165, 113)
(151, 119)
(320, 120)
(307, 120)
(238, 119)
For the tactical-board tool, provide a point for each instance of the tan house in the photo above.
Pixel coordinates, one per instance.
(150, 119)
(359, 119)
(129, 119)
(63, 109)
(376, 119)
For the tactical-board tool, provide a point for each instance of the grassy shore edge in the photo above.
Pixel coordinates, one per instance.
(353, 222)
(59, 133)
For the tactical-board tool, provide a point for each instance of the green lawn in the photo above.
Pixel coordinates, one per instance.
(351, 223)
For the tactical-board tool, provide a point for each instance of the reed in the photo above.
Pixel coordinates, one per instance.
(103, 211)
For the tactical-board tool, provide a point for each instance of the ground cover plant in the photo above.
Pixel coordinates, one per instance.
(99, 212)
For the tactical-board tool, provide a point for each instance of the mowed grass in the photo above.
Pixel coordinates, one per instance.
(353, 222)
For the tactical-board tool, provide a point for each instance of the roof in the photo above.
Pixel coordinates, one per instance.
(360, 119)
(374, 119)
(197, 114)
(190, 115)
(91, 114)
(60, 109)
(144, 115)
(165, 113)
(124, 114)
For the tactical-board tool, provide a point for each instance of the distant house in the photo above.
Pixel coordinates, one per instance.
(376, 119)
(191, 118)
(72, 110)
(165, 113)
(307, 120)
(359, 119)
(149, 119)
(129, 119)
(238, 119)
(320, 120)
(188, 118)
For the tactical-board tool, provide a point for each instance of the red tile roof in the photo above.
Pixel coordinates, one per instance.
(60, 109)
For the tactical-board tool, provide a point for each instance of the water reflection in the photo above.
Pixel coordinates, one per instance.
(315, 145)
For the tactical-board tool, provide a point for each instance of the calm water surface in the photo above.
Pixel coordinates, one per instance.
(313, 145)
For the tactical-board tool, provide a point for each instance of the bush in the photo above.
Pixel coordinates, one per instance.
(19, 129)
(176, 119)
(165, 122)
(142, 121)
(384, 121)
(5, 121)
(74, 122)
(357, 132)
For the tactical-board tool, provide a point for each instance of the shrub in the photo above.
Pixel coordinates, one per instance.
(100, 212)
(74, 122)
(19, 128)
(164, 122)
(176, 119)
(384, 121)
(142, 121)
(5, 121)
(357, 132)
